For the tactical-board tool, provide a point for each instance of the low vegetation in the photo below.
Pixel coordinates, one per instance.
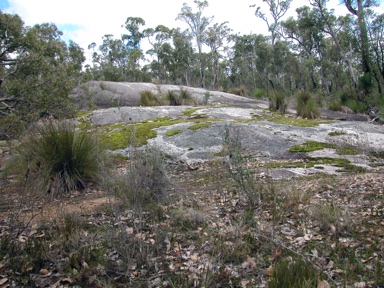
(228, 222)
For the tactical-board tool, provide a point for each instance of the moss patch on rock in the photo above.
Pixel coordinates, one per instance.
(173, 132)
(314, 145)
(280, 119)
(199, 126)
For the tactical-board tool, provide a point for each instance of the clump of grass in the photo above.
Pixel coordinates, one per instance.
(327, 216)
(293, 272)
(184, 97)
(148, 98)
(55, 158)
(305, 105)
(277, 101)
(189, 218)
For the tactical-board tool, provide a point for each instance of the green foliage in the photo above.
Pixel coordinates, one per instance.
(356, 106)
(335, 105)
(55, 158)
(293, 272)
(306, 107)
(207, 96)
(310, 146)
(277, 101)
(38, 72)
(259, 93)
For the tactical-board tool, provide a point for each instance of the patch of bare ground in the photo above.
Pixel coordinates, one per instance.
(206, 234)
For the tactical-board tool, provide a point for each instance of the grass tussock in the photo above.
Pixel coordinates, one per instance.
(55, 158)
(305, 105)
(277, 101)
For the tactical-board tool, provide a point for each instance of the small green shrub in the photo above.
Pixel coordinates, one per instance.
(306, 107)
(207, 96)
(259, 93)
(356, 106)
(55, 158)
(277, 101)
(335, 105)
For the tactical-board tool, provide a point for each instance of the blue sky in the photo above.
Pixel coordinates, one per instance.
(86, 21)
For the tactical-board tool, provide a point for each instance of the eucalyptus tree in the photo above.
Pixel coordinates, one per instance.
(308, 43)
(277, 9)
(132, 42)
(198, 25)
(38, 70)
(327, 23)
(217, 38)
(359, 9)
(184, 58)
(112, 61)
(160, 38)
(376, 37)
(249, 61)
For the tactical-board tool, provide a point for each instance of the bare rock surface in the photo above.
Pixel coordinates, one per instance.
(264, 141)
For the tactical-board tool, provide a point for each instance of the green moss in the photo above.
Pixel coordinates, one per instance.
(311, 146)
(280, 119)
(189, 112)
(347, 151)
(199, 126)
(310, 162)
(336, 133)
(118, 136)
(173, 132)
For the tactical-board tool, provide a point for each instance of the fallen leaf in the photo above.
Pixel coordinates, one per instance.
(268, 271)
(323, 284)
(3, 281)
(43, 271)
(360, 285)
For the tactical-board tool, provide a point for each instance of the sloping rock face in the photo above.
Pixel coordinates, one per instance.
(262, 139)
(100, 94)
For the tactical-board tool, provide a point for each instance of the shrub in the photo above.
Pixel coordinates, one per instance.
(277, 101)
(55, 158)
(147, 98)
(259, 93)
(306, 107)
(238, 90)
(335, 105)
(356, 106)
(207, 96)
